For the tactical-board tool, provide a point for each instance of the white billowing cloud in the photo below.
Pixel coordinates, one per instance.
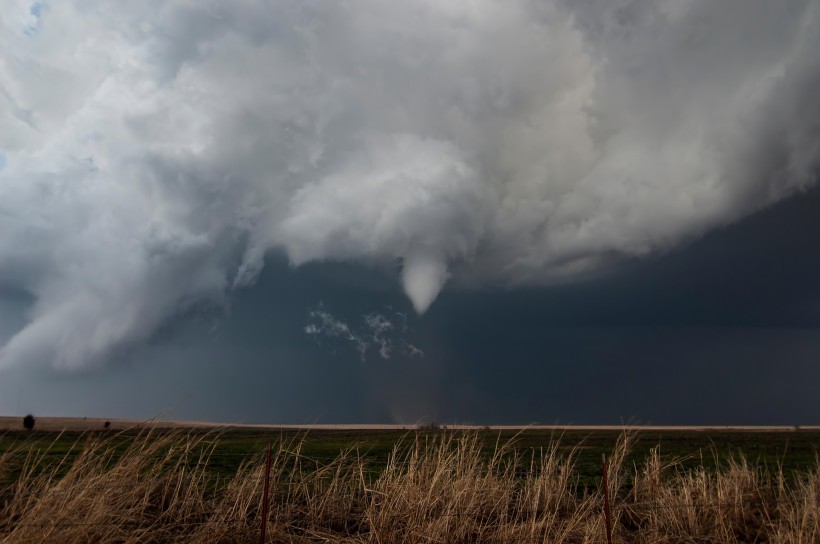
(395, 201)
(156, 151)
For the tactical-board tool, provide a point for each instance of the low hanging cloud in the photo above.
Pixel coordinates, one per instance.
(382, 332)
(156, 151)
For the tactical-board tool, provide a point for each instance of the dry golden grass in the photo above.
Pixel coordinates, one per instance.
(440, 490)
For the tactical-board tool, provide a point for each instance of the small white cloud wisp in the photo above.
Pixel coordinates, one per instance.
(156, 152)
(383, 332)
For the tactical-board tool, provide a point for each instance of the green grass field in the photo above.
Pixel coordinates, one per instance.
(792, 450)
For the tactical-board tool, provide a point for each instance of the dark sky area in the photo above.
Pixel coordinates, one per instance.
(725, 330)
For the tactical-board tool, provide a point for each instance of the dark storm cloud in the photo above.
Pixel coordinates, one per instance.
(158, 152)
(723, 331)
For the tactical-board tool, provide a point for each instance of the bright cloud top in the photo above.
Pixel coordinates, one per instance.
(156, 151)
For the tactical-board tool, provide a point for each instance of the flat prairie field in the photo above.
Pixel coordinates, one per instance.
(80, 480)
(788, 448)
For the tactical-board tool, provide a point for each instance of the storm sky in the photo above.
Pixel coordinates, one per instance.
(472, 211)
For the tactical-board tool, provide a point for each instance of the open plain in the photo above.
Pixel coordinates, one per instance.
(73, 480)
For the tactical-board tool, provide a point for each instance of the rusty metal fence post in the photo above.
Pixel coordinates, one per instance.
(607, 515)
(265, 499)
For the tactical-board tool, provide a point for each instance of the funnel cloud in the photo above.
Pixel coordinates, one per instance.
(422, 279)
(155, 152)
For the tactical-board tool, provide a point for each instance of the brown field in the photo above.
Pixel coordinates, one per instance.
(9, 423)
(81, 423)
(440, 487)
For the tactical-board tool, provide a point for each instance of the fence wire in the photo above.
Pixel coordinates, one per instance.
(165, 487)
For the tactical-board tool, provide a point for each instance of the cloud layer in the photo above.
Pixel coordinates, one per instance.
(156, 151)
